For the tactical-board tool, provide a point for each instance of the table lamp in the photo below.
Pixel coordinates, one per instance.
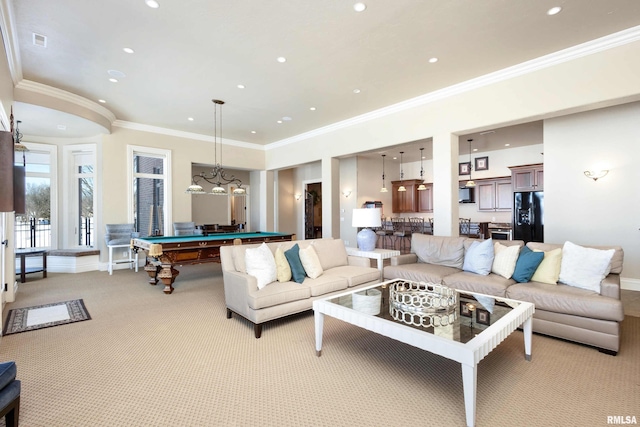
(363, 218)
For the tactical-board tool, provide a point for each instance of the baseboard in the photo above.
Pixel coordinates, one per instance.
(630, 284)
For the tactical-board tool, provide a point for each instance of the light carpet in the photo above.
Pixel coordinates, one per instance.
(44, 316)
(150, 359)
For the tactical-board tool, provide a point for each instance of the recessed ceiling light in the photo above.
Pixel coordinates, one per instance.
(190, 119)
(152, 4)
(475, 149)
(356, 91)
(395, 158)
(287, 118)
(282, 59)
(62, 127)
(506, 145)
(102, 101)
(359, 7)
(253, 131)
(554, 11)
(241, 86)
(117, 74)
(279, 121)
(312, 108)
(433, 60)
(112, 80)
(127, 49)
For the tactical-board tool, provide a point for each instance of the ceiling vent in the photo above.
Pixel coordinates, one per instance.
(39, 40)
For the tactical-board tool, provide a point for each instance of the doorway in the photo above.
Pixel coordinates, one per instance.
(313, 211)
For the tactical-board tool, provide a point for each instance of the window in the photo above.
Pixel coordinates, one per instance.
(36, 227)
(149, 192)
(80, 187)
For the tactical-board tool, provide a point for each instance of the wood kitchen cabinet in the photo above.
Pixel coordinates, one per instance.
(494, 195)
(425, 199)
(527, 177)
(405, 201)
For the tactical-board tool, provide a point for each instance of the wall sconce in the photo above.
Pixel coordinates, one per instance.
(298, 196)
(595, 175)
(346, 193)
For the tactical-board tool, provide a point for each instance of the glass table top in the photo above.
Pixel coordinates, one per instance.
(435, 309)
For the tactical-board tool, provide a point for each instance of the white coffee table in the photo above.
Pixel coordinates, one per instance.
(507, 317)
(378, 254)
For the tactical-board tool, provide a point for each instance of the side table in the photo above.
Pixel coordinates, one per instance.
(23, 254)
(377, 254)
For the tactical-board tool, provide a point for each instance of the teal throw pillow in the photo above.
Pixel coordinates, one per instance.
(478, 258)
(297, 270)
(528, 262)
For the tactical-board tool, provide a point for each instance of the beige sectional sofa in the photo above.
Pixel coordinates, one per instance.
(563, 311)
(279, 299)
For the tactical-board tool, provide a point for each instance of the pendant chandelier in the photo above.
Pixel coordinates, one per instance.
(402, 187)
(470, 183)
(218, 176)
(384, 188)
(421, 187)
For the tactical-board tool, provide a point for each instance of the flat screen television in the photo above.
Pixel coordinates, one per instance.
(466, 195)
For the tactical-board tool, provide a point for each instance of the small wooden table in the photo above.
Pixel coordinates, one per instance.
(23, 271)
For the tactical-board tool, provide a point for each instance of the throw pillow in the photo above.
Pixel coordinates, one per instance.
(297, 270)
(283, 271)
(439, 250)
(261, 265)
(479, 257)
(584, 267)
(331, 252)
(527, 263)
(310, 262)
(549, 269)
(504, 259)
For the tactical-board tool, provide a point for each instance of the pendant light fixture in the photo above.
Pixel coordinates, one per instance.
(401, 188)
(384, 188)
(218, 176)
(421, 187)
(470, 183)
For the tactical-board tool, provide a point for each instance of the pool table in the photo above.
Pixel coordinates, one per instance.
(163, 253)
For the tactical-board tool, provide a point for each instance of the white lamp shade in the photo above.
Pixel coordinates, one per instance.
(366, 218)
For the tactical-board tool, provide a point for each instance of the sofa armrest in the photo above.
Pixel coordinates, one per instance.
(237, 287)
(358, 261)
(404, 259)
(610, 286)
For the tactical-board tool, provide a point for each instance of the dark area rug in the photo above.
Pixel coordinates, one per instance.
(44, 316)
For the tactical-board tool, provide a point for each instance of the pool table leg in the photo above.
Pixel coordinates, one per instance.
(152, 271)
(168, 275)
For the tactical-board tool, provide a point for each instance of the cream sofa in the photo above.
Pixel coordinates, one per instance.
(562, 311)
(279, 299)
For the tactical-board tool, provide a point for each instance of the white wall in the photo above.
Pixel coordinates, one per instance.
(605, 212)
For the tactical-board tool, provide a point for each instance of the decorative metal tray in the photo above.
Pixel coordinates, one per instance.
(422, 304)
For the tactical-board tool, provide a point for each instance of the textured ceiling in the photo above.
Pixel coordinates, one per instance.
(189, 52)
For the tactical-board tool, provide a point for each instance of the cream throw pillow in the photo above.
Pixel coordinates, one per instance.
(549, 269)
(504, 260)
(283, 270)
(261, 265)
(311, 262)
(584, 267)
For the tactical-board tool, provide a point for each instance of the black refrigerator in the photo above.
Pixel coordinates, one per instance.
(528, 216)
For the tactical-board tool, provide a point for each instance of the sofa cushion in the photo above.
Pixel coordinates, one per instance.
(568, 299)
(283, 270)
(492, 284)
(331, 252)
(478, 258)
(504, 259)
(277, 293)
(438, 250)
(261, 265)
(297, 270)
(355, 275)
(310, 262)
(549, 269)
(419, 272)
(528, 262)
(584, 267)
(325, 284)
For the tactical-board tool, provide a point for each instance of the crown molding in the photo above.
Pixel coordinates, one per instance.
(10, 40)
(187, 135)
(594, 46)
